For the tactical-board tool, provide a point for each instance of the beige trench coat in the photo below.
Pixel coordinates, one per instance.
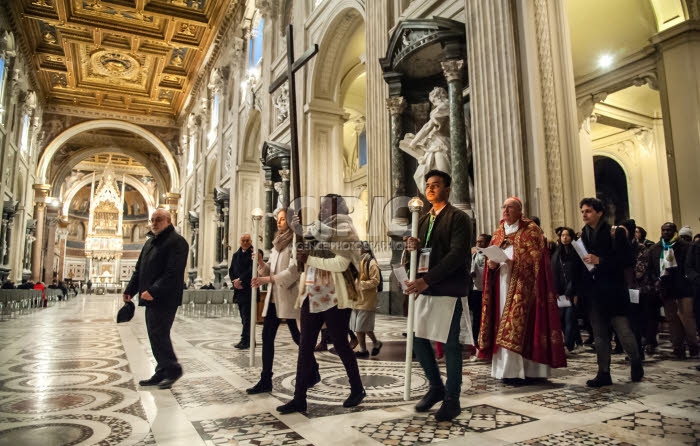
(284, 291)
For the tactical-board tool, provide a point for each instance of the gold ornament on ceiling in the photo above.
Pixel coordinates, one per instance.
(114, 64)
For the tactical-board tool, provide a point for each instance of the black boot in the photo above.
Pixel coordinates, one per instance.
(263, 386)
(434, 395)
(600, 380)
(637, 372)
(323, 345)
(291, 407)
(450, 408)
(355, 398)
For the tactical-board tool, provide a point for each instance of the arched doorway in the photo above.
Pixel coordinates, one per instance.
(611, 188)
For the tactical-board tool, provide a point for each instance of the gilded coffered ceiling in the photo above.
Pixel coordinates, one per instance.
(138, 56)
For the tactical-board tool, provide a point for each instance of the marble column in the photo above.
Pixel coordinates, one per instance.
(497, 138)
(8, 238)
(679, 82)
(269, 223)
(3, 239)
(224, 240)
(459, 195)
(41, 191)
(396, 106)
(52, 225)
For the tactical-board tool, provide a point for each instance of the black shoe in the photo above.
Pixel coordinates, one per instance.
(355, 398)
(377, 348)
(637, 372)
(600, 380)
(263, 386)
(315, 379)
(168, 382)
(364, 354)
(152, 381)
(434, 395)
(291, 407)
(450, 409)
(242, 345)
(679, 353)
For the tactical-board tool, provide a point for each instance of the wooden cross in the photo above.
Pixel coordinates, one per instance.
(292, 67)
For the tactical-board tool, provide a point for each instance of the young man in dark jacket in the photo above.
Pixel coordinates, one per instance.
(605, 288)
(443, 243)
(156, 278)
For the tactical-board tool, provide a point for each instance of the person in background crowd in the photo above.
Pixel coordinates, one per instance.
(241, 273)
(40, 286)
(686, 234)
(604, 286)
(666, 269)
(634, 249)
(520, 326)
(641, 235)
(565, 268)
(8, 285)
(362, 318)
(282, 277)
(692, 271)
(477, 275)
(89, 286)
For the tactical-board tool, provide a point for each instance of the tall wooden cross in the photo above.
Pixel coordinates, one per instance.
(292, 67)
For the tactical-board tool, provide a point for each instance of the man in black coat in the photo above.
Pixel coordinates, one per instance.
(606, 291)
(157, 277)
(672, 281)
(241, 273)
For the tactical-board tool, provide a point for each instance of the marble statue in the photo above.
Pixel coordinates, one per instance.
(431, 145)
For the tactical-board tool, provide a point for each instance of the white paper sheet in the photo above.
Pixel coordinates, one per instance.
(494, 253)
(580, 249)
(634, 296)
(401, 276)
(563, 302)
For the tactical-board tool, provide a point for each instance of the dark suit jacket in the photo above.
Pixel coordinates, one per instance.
(160, 270)
(242, 268)
(675, 284)
(448, 272)
(604, 287)
(692, 265)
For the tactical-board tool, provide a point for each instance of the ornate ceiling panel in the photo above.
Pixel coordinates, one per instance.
(138, 56)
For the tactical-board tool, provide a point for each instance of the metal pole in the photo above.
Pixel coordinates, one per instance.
(257, 216)
(415, 205)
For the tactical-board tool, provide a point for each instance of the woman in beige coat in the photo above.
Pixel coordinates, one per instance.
(362, 318)
(283, 278)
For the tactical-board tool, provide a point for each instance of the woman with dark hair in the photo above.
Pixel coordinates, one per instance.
(362, 318)
(327, 292)
(565, 264)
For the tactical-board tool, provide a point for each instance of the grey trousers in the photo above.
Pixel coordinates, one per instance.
(601, 332)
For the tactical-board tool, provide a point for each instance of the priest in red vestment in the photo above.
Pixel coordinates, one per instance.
(520, 326)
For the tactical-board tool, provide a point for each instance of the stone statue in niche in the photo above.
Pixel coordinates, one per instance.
(431, 145)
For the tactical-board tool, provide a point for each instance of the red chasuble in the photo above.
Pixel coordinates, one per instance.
(530, 324)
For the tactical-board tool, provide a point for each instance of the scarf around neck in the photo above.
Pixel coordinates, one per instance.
(282, 240)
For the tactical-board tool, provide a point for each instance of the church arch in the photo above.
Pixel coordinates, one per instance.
(611, 183)
(51, 149)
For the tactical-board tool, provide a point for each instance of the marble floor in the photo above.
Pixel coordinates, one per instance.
(68, 376)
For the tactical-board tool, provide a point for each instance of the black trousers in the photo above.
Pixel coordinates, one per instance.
(244, 309)
(475, 307)
(159, 321)
(269, 333)
(337, 322)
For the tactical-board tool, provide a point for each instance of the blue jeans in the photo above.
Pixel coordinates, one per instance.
(569, 323)
(453, 357)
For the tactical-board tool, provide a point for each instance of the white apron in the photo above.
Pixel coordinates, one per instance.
(433, 316)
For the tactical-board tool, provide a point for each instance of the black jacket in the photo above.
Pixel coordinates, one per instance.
(675, 284)
(604, 287)
(566, 267)
(242, 268)
(448, 272)
(160, 270)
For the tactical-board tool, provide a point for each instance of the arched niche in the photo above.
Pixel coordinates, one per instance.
(53, 147)
(81, 155)
(128, 179)
(611, 184)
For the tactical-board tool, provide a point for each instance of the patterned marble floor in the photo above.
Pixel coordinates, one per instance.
(68, 376)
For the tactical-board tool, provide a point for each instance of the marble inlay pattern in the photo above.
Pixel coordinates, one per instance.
(422, 428)
(197, 392)
(693, 404)
(576, 399)
(574, 437)
(257, 429)
(654, 423)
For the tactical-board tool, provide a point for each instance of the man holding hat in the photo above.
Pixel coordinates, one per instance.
(520, 325)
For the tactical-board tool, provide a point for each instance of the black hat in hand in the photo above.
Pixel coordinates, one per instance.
(126, 313)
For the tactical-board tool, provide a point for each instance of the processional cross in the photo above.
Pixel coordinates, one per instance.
(292, 67)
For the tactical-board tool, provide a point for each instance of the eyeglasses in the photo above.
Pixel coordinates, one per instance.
(156, 220)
